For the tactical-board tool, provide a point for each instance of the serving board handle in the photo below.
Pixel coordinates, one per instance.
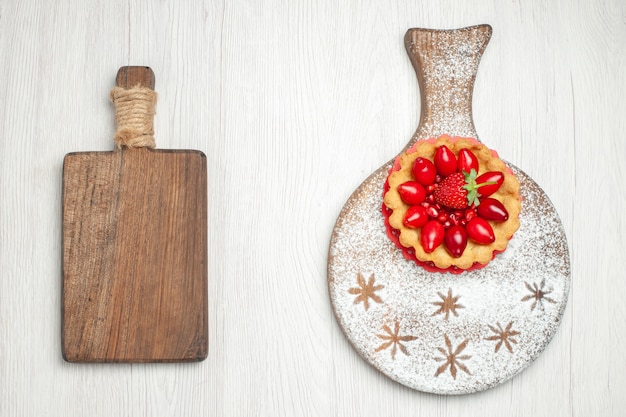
(134, 99)
(446, 62)
(132, 76)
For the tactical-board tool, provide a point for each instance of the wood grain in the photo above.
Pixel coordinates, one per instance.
(135, 252)
(446, 64)
(293, 104)
(132, 76)
(446, 99)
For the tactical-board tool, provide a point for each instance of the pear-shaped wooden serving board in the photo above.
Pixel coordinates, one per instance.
(135, 252)
(440, 332)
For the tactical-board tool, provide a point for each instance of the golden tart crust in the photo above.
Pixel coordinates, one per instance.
(507, 194)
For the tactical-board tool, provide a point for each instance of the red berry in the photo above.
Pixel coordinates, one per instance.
(496, 177)
(469, 214)
(450, 192)
(445, 161)
(432, 212)
(424, 171)
(432, 235)
(455, 240)
(480, 231)
(492, 209)
(412, 192)
(467, 161)
(415, 217)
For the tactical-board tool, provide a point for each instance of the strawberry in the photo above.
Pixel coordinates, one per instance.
(459, 190)
(450, 192)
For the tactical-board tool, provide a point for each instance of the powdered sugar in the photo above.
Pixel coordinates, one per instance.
(440, 332)
(446, 63)
(526, 287)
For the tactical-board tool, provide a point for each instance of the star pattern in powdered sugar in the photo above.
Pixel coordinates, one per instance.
(537, 294)
(366, 290)
(448, 304)
(449, 358)
(503, 336)
(394, 340)
(453, 358)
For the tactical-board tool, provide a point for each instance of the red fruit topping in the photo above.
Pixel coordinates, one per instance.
(492, 209)
(450, 192)
(424, 171)
(432, 235)
(449, 202)
(469, 214)
(445, 161)
(432, 212)
(480, 231)
(455, 240)
(490, 181)
(412, 192)
(415, 217)
(458, 191)
(466, 161)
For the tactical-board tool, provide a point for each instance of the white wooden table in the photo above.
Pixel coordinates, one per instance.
(295, 103)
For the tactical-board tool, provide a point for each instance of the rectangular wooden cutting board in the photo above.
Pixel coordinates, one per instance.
(135, 255)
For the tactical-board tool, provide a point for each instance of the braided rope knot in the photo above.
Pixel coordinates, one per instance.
(134, 116)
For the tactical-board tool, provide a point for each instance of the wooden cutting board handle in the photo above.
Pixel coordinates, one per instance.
(446, 62)
(131, 76)
(134, 99)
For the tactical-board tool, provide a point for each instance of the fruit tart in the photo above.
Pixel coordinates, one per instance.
(451, 204)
